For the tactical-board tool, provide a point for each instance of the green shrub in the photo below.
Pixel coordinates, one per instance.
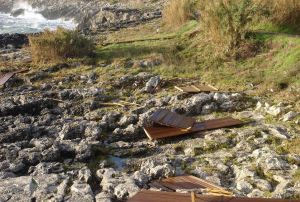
(178, 12)
(53, 46)
(226, 23)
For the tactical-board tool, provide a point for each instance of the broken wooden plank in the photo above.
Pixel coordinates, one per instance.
(159, 132)
(188, 182)
(196, 88)
(157, 196)
(5, 77)
(187, 89)
(172, 119)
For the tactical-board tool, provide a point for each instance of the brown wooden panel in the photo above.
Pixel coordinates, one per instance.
(5, 77)
(189, 182)
(195, 182)
(158, 185)
(159, 132)
(172, 119)
(154, 196)
(221, 123)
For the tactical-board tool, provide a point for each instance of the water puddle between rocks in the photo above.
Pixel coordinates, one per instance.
(117, 162)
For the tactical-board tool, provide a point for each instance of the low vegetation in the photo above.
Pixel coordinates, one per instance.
(226, 23)
(54, 46)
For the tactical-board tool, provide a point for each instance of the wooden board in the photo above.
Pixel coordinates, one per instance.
(157, 196)
(159, 132)
(187, 182)
(196, 88)
(172, 119)
(5, 77)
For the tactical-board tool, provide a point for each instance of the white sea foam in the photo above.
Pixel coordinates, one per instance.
(30, 21)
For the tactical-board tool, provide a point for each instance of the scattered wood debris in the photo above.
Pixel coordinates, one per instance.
(168, 128)
(157, 196)
(197, 88)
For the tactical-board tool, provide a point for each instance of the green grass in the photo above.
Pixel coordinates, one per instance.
(188, 55)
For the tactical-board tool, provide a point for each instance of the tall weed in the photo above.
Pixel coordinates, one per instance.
(226, 23)
(178, 12)
(53, 46)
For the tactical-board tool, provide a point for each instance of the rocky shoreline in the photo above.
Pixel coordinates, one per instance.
(94, 16)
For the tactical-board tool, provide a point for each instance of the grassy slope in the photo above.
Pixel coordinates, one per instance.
(274, 72)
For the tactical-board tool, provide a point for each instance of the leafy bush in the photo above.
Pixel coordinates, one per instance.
(53, 46)
(178, 12)
(226, 22)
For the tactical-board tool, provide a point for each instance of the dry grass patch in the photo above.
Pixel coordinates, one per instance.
(178, 12)
(54, 46)
(285, 12)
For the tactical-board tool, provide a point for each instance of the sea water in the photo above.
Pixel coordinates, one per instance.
(30, 21)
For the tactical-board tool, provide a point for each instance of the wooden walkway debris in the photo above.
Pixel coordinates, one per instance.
(5, 77)
(189, 182)
(167, 118)
(157, 196)
(196, 88)
(159, 132)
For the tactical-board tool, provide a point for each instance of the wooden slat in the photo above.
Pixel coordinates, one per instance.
(172, 119)
(159, 132)
(187, 89)
(154, 196)
(5, 77)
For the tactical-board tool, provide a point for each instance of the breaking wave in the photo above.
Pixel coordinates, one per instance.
(25, 19)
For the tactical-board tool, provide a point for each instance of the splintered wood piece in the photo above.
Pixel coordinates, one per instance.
(188, 182)
(193, 196)
(187, 89)
(196, 88)
(157, 196)
(5, 77)
(172, 119)
(159, 132)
